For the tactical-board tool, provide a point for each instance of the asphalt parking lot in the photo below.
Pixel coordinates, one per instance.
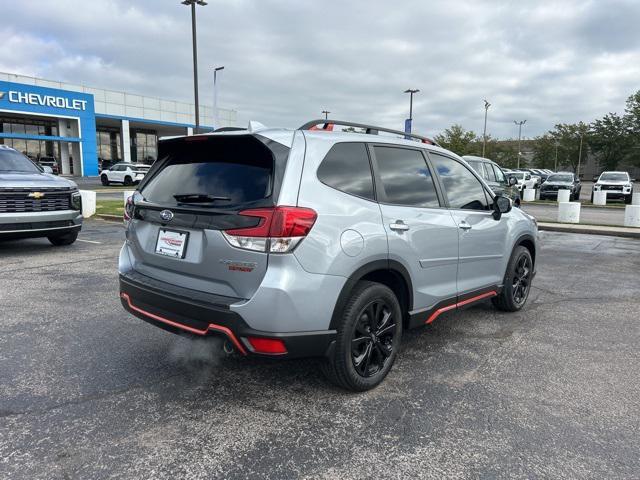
(87, 391)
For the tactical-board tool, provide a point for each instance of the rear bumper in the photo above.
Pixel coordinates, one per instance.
(187, 312)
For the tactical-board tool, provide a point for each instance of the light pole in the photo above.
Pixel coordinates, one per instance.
(215, 95)
(555, 168)
(579, 156)
(484, 135)
(192, 4)
(520, 123)
(326, 114)
(407, 123)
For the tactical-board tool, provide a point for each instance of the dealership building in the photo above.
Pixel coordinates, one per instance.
(82, 127)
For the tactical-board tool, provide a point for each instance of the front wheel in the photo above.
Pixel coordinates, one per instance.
(128, 181)
(517, 281)
(368, 338)
(628, 198)
(104, 180)
(61, 240)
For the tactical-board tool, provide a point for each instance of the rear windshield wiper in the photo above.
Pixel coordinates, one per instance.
(199, 198)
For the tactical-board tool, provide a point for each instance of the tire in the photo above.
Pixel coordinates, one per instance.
(62, 240)
(104, 180)
(517, 279)
(362, 365)
(591, 196)
(128, 181)
(628, 198)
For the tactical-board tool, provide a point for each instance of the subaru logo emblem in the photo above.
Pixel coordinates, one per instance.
(166, 215)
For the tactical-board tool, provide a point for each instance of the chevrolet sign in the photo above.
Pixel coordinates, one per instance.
(46, 100)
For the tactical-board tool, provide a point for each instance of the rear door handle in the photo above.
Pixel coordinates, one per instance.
(464, 226)
(399, 226)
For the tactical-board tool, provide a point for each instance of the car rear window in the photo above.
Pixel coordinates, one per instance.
(212, 172)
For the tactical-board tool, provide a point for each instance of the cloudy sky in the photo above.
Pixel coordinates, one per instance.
(286, 61)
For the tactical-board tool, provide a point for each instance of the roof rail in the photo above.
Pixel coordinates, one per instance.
(327, 125)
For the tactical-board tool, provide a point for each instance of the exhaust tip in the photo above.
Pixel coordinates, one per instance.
(227, 347)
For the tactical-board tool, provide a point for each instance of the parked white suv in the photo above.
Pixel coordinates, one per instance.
(617, 185)
(125, 173)
(525, 180)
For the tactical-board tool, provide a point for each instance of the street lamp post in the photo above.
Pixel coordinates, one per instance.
(407, 125)
(484, 135)
(215, 95)
(520, 123)
(192, 4)
(326, 114)
(579, 156)
(555, 168)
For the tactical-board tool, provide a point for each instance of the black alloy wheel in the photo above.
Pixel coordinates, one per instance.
(521, 280)
(369, 332)
(517, 281)
(372, 338)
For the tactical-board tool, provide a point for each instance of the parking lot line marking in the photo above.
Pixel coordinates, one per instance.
(89, 241)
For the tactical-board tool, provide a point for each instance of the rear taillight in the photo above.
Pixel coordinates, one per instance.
(279, 230)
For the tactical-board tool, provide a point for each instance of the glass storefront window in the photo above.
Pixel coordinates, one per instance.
(146, 146)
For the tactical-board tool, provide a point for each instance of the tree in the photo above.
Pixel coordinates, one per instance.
(570, 136)
(544, 151)
(610, 141)
(458, 140)
(632, 123)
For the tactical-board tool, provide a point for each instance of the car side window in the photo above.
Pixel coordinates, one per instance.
(406, 178)
(489, 176)
(346, 168)
(500, 178)
(463, 189)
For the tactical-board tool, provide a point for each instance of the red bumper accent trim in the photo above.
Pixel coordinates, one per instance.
(437, 313)
(212, 326)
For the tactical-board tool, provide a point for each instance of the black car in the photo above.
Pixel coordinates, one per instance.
(499, 182)
(561, 181)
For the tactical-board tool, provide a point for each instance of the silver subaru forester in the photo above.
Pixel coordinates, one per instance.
(318, 243)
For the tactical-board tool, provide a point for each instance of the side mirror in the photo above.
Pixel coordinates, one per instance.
(47, 169)
(501, 204)
(512, 181)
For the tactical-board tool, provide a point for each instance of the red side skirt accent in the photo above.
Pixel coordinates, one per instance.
(212, 326)
(437, 313)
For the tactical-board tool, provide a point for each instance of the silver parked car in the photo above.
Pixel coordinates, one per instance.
(315, 243)
(36, 204)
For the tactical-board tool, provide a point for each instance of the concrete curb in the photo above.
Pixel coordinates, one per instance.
(611, 231)
(109, 218)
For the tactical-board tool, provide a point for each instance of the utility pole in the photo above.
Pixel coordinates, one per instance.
(579, 156)
(407, 123)
(520, 123)
(326, 114)
(484, 135)
(192, 4)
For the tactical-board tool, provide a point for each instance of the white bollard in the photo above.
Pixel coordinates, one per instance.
(632, 216)
(126, 194)
(563, 195)
(528, 194)
(88, 203)
(635, 200)
(569, 212)
(599, 197)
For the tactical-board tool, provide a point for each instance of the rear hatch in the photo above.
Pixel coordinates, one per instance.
(194, 192)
